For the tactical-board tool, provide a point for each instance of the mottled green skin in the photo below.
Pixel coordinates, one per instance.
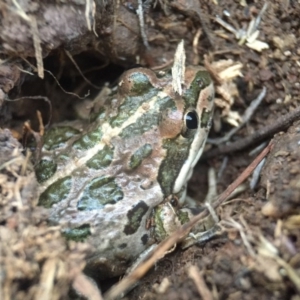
(58, 136)
(177, 153)
(102, 181)
(135, 216)
(99, 192)
(139, 155)
(141, 92)
(56, 192)
(102, 159)
(79, 234)
(44, 170)
(88, 140)
(201, 80)
(148, 120)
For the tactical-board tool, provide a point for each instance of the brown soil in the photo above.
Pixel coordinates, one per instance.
(258, 257)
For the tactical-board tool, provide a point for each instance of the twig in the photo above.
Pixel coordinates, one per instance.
(201, 286)
(243, 235)
(85, 287)
(246, 117)
(280, 124)
(56, 80)
(46, 99)
(140, 13)
(80, 72)
(256, 175)
(42, 127)
(47, 278)
(164, 246)
(195, 46)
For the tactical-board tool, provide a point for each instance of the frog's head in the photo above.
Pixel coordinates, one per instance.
(184, 129)
(165, 132)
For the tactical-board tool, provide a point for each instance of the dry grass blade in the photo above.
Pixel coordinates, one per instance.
(83, 285)
(178, 69)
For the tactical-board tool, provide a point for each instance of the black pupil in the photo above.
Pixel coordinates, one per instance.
(191, 120)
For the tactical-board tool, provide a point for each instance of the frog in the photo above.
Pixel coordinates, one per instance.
(118, 180)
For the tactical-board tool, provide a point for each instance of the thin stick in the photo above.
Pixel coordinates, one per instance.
(280, 124)
(201, 286)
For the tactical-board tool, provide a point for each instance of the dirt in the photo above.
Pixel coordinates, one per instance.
(53, 54)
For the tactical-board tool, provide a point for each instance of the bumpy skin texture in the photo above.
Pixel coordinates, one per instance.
(101, 183)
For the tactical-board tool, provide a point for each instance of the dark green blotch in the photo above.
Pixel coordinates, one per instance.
(141, 92)
(122, 246)
(205, 118)
(201, 81)
(139, 155)
(56, 192)
(44, 170)
(183, 216)
(141, 84)
(78, 234)
(177, 153)
(135, 216)
(148, 120)
(99, 192)
(145, 239)
(58, 136)
(160, 232)
(142, 125)
(88, 140)
(102, 159)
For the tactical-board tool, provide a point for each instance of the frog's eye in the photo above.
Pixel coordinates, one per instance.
(191, 122)
(174, 201)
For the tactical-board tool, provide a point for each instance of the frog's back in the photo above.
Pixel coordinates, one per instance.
(101, 185)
